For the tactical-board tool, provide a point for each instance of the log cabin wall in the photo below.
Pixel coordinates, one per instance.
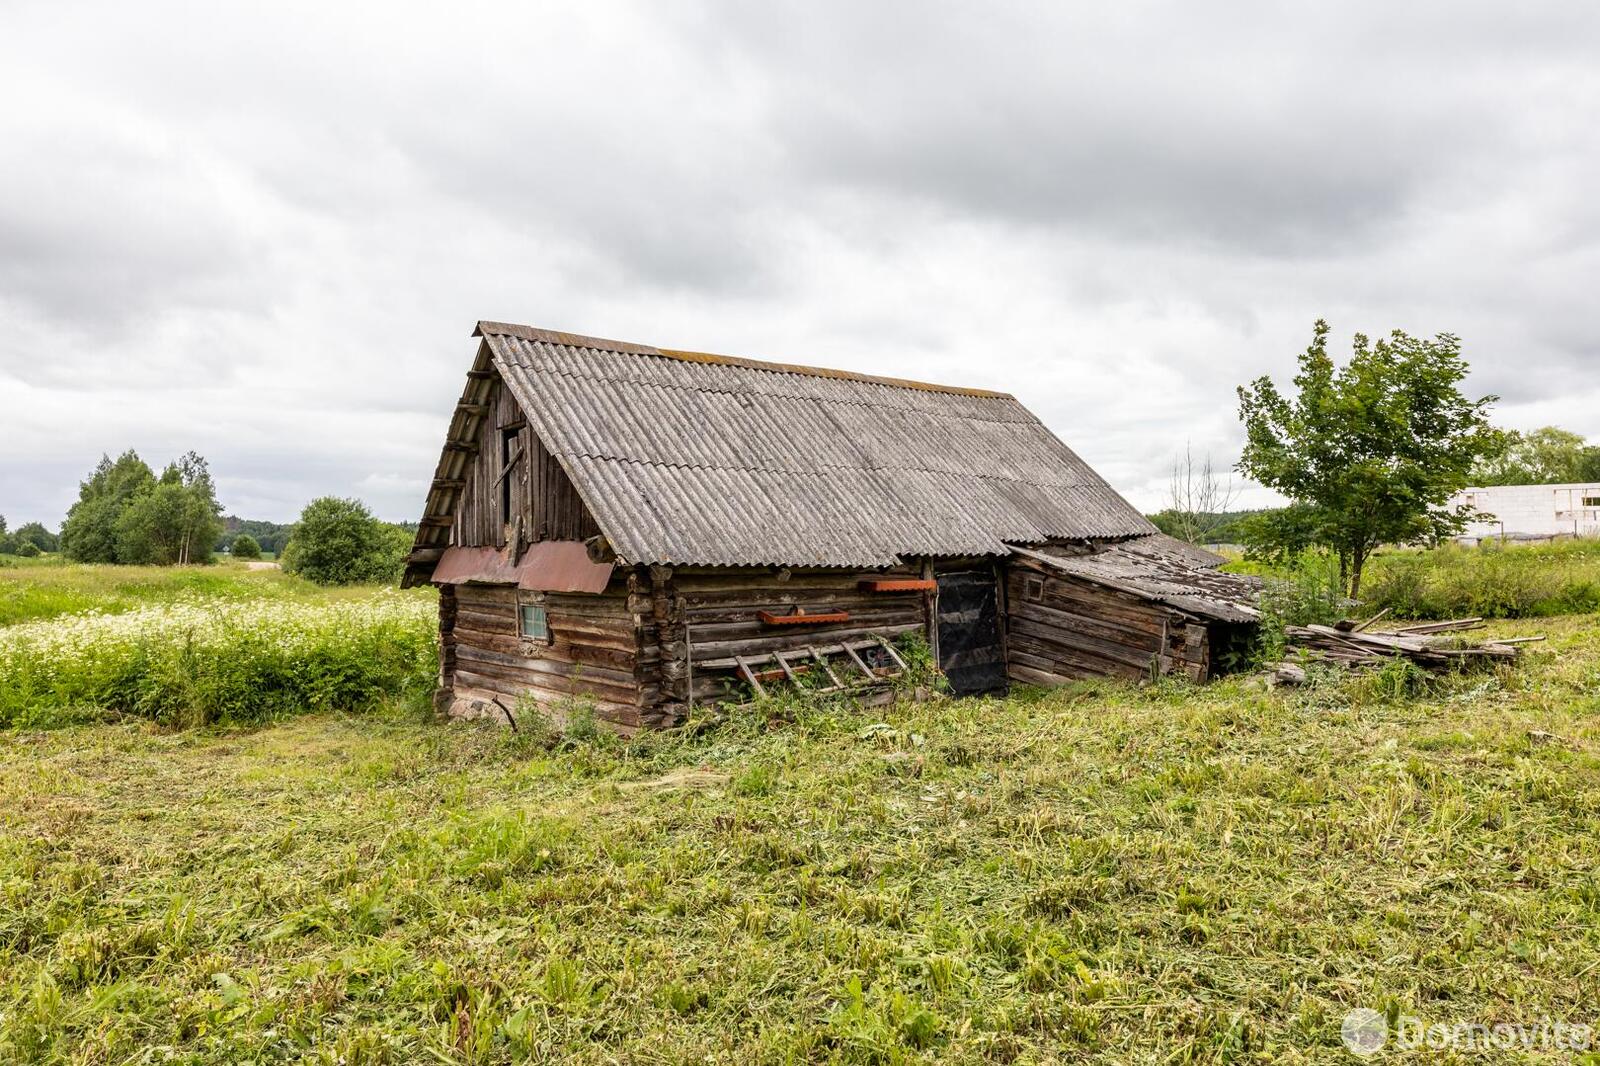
(717, 608)
(1062, 627)
(539, 490)
(592, 652)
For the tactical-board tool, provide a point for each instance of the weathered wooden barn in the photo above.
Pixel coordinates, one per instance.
(646, 529)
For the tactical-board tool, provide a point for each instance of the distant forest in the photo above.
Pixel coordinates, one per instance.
(127, 513)
(272, 536)
(1221, 527)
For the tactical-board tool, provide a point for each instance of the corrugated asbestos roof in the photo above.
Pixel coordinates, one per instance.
(686, 458)
(1164, 570)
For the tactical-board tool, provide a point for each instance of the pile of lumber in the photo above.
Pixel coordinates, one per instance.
(1430, 645)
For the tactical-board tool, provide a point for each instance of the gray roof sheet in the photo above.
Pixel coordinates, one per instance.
(1164, 570)
(686, 458)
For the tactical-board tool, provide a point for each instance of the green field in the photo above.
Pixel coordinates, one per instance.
(203, 644)
(47, 587)
(1158, 874)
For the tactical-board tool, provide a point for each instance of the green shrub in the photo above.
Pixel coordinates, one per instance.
(245, 546)
(28, 550)
(1491, 581)
(1301, 591)
(339, 542)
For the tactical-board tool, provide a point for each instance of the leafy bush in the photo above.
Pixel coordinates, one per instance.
(339, 542)
(218, 661)
(1491, 581)
(28, 550)
(245, 547)
(1300, 590)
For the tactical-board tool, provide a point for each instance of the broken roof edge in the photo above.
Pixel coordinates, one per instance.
(547, 336)
(1201, 602)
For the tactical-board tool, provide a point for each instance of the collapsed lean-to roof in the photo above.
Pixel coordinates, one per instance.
(686, 458)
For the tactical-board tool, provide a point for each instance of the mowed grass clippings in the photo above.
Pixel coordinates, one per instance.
(1166, 873)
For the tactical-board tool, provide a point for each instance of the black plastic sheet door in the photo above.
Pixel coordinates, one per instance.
(969, 633)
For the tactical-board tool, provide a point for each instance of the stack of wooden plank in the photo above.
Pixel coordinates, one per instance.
(1428, 645)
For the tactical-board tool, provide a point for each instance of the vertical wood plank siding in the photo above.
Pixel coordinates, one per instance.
(1062, 628)
(541, 492)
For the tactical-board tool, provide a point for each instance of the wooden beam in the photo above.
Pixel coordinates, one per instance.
(750, 676)
(823, 662)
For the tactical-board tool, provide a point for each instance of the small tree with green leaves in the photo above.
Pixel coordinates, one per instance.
(339, 542)
(1369, 453)
(244, 546)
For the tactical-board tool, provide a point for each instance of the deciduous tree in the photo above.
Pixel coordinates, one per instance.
(1371, 452)
(339, 542)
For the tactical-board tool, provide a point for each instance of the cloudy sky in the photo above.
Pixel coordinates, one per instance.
(266, 236)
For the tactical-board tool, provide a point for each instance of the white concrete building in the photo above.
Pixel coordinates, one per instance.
(1532, 512)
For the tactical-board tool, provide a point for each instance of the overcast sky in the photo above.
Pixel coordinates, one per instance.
(267, 237)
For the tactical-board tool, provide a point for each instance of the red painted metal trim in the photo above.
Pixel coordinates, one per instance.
(908, 584)
(548, 566)
(800, 619)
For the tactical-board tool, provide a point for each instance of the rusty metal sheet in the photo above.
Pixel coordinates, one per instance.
(549, 566)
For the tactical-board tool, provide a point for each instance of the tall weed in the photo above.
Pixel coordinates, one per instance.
(1490, 581)
(217, 661)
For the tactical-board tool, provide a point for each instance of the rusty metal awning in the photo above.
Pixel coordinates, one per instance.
(548, 566)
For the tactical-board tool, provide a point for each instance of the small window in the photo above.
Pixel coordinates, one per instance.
(1033, 589)
(535, 623)
(1591, 501)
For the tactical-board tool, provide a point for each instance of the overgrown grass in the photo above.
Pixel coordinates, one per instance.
(1490, 580)
(1158, 874)
(49, 587)
(230, 660)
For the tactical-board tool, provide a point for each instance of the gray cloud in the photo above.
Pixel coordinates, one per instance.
(267, 237)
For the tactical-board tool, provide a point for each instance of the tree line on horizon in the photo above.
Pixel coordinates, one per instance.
(126, 514)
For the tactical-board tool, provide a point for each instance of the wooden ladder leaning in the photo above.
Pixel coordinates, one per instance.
(747, 665)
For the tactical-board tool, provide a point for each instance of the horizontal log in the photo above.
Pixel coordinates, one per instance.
(543, 665)
(1064, 594)
(518, 681)
(782, 641)
(1053, 637)
(1030, 676)
(1075, 621)
(686, 582)
(469, 683)
(615, 658)
(1071, 666)
(745, 628)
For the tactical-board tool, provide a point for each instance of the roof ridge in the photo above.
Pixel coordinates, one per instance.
(578, 340)
(829, 468)
(851, 401)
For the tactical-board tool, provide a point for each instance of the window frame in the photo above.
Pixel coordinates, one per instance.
(533, 603)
